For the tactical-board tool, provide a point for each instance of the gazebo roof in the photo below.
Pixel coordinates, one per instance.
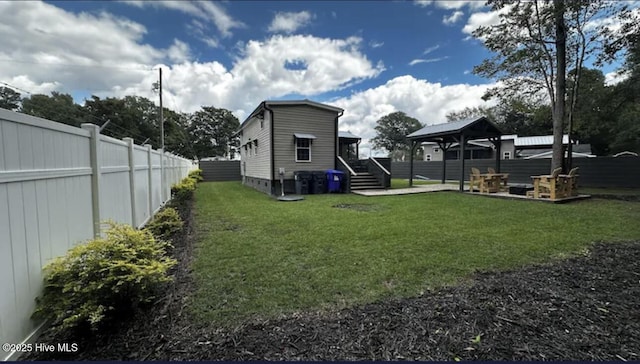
(456, 132)
(347, 135)
(476, 128)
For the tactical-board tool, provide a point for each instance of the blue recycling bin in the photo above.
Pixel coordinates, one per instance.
(334, 180)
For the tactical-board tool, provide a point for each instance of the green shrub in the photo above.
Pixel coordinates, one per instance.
(184, 189)
(165, 223)
(196, 174)
(103, 278)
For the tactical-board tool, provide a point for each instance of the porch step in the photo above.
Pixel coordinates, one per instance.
(365, 181)
(359, 166)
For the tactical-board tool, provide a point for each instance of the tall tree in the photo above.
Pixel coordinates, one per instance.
(392, 131)
(57, 107)
(118, 121)
(592, 114)
(531, 42)
(513, 116)
(625, 101)
(212, 132)
(9, 99)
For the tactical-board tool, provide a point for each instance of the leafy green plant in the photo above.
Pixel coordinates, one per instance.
(183, 190)
(165, 223)
(103, 278)
(196, 174)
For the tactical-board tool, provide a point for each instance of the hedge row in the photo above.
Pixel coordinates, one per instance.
(111, 276)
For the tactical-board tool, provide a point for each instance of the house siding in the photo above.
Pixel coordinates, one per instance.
(256, 165)
(309, 120)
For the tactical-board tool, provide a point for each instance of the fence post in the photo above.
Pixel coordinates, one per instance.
(150, 191)
(132, 179)
(96, 174)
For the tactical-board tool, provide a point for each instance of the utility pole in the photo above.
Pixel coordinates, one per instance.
(162, 177)
(161, 115)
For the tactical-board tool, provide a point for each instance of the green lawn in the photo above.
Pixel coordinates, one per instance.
(404, 183)
(259, 257)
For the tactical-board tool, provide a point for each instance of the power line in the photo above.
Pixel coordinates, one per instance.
(141, 68)
(85, 113)
(16, 88)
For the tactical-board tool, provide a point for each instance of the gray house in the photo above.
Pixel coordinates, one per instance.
(297, 135)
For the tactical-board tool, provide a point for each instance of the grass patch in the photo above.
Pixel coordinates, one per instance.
(609, 191)
(259, 257)
(404, 183)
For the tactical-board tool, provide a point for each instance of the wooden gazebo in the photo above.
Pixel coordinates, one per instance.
(456, 132)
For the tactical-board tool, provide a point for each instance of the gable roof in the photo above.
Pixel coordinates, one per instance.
(347, 135)
(538, 140)
(266, 103)
(475, 128)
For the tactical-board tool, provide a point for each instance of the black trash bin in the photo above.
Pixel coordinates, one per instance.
(303, 182)
(319, 182)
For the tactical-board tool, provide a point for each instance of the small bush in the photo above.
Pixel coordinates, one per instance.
(103, 278)
(184, 189)
(165, 223)
(196, 174)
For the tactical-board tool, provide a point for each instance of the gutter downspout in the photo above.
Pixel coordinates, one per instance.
(272, 138)
(337, 141)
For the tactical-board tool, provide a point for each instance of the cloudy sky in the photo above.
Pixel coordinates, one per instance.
(368, 57)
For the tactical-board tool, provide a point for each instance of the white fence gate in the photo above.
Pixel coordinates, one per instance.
(57, 184)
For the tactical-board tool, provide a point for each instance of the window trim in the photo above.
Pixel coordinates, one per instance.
(427, 157)
(308, 147)
(506, 155)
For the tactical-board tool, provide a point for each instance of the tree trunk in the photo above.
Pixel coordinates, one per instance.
(561, 85)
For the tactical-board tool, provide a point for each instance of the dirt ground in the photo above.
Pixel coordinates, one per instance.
(582, 308)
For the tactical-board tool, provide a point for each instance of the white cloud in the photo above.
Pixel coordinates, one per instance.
(374, 44)
(451, 4)
(423, 3)
(429, 60)
(331, 64)
(431, 49)
(209, 11)
(428, 102)
(488, 18)
(47, 45)
(288, 22)
(615, 77)
(44, 48)
(179, 52)
(453, 18)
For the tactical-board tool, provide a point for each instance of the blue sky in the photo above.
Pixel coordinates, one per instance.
(368, 57)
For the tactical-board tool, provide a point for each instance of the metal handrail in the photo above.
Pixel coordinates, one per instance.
(380, 165)
(351, 171)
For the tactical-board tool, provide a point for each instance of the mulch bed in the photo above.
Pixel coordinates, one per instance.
(582, 308)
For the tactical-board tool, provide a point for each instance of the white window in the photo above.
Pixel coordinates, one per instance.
(428, 157)
(506, 155)
(255, 147)
(303, 150)
(436, 150)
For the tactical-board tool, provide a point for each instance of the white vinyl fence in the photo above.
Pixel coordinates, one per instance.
(57, 184)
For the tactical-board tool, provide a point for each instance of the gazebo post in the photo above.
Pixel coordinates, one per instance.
(443, 147)
(498, 145)
(462, 142)
(413, 143)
